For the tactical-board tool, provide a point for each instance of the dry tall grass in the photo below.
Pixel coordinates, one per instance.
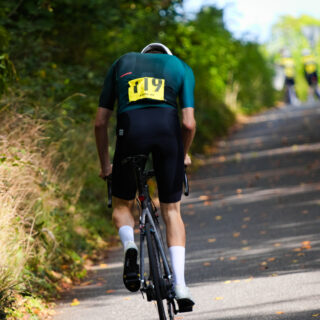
(25, 170)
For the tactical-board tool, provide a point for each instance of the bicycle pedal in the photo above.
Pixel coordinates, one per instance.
(185, 305)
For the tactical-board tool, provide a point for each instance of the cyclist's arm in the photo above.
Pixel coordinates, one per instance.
(188, 123)
(188, 129)
(102, 140)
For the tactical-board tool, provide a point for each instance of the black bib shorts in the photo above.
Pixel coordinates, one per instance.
(154, 130)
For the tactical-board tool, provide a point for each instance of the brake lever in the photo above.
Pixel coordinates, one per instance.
(108, 179)
(186, 182)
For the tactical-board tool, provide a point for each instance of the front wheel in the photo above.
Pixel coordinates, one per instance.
(155, 270)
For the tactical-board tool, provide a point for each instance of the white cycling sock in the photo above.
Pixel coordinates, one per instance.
(177, 257)
(126, 235)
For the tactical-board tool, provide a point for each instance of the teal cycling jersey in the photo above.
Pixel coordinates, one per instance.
(138, 80)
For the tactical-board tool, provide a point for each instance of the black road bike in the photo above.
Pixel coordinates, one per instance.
(156, 282)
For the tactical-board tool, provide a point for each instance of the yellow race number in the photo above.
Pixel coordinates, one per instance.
(146, 88)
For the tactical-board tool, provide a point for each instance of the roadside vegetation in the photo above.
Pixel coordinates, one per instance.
(54, 55)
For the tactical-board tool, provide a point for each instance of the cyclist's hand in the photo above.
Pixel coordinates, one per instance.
(105, 171)
(187, 160)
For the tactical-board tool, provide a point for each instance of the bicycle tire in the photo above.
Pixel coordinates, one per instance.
(155, 273)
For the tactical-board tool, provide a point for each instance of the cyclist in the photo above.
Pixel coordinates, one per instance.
(146, 86)
(310, 72)
(289, 71)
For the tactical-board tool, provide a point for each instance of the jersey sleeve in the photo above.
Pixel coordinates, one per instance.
(108, 93)
(186, 95)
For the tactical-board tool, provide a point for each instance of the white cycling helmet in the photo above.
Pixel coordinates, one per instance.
(156, 46)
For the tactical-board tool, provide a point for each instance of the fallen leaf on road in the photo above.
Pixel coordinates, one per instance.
(218, 218)
(227, 282)
(103, 265)
(99, 284)
(244, 241)
(277, 245)
(306, 245)
(238, 156)
(218, 298)
(207, 264)
(207, 203)
(212, 240)
(110, 291)
(239, 191)
(246, 248)
(203, 197)
(244, 226)
(246, 219)
(279, 312)
(127, 298)
(263, 232)
(305, 212)
(316, 315)
(236, 234)
(74, 302)
(233, 258)
(271, 259)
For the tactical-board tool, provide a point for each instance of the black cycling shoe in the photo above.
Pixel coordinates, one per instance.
(184, 298)
(185, 305)
(131, 277)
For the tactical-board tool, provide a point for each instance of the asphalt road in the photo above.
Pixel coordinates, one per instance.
(253, 223)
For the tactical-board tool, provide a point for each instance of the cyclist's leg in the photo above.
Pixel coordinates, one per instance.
(169, 168)
(176, 239)
(123, 192)
(175, 229)
(122, 214)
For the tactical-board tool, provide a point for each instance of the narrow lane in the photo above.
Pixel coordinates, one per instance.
(253, 221)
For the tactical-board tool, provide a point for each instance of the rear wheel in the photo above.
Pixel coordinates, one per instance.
(155, 270)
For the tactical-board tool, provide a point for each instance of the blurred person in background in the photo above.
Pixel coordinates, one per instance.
(310, 73)
(288, 66)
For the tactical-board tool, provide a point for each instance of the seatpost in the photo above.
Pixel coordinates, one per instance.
(139, 180)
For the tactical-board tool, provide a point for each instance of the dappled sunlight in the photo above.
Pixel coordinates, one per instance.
(282, 151)
(247, 176)
(251, 195)
(286, 113)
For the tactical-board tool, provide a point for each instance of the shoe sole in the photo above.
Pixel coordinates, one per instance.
(185, 305)
(131, 271)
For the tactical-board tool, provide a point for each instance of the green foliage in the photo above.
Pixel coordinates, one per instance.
(7, 70)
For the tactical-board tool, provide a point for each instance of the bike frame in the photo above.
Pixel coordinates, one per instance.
(148, 212)
(145, 213)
